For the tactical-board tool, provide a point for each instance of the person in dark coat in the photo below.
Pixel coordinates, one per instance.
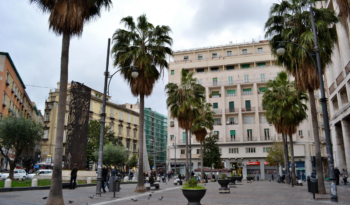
(73, 176)
(337, 173)
(104, 177)
(192, 174)
(179, 176)
(115, 171)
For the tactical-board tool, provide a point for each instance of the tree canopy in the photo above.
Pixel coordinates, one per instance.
(132, 162)
(113, 154)
(211, 155)
(275, 154)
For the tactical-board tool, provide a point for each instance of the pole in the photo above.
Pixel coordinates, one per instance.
(333, 187)
(103, 116)
(175, 154)
(190, 153)
(286, 170)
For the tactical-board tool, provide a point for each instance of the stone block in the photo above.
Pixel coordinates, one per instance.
(34, 182)
(8, 183)
(88, 180)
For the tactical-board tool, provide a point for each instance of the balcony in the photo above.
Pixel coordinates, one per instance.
(181, 141)
(250, 139)
(217, 111)
(262, 109)
(233, 139)
(347, 68)
(332, 88)
(232, 123)
(232, 110)
(218, 123)
(231, 95)
(247, 93)
(215, 96)
(172, 125)
(245, 53)
(265, 138)
(248, 109)
(340, 78)
(220, 140)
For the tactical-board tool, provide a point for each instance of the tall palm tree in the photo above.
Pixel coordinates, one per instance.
(290, 20)
(183, 99)
(67, 18)
(203, 122)
(146, 47)
(285, 109)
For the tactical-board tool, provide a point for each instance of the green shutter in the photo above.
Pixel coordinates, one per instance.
(245, 65)
(215, 79)
(216, 132)
(231, 105)
(233, 132)
(247, 103)
(231, 91)
(215, 105)
(261, 64)
(172, 72)
(184, 137)
(247, 90)
(215, 93)
(262, 89)
(250, 130)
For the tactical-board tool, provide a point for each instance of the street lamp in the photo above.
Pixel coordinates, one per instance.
(175, 153)
(318, 68)
(134, 74)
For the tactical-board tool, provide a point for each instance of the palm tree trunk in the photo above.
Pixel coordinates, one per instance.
(202, 171)
(292, 159)
(140, 183)
(285, 148)
(319, 168)
(55, 195)
(187, 167)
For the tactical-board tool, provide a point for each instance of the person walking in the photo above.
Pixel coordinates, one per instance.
(107, 178)
(337, 173)
(104, 177)
(131, 174)
(115, 171)
(73, 176)
(169, 175)
(345, 176)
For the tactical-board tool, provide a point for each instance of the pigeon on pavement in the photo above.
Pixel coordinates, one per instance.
(45, 197)
(91, 197)
(160, 198)
(135, 200)
(71, 202)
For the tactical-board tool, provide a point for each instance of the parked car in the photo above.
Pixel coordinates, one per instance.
(17, 174)
(41, 172)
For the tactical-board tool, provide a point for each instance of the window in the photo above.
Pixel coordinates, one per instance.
(215, 94)
(171, 137)
(46, 133)
(300, 133)
(220, 151)
(267, 134)
(134, 146)
(266, 149)
(121, 115)
(245, 66)
(184, 137)
(199, 165)
(308, 132)
(233, 135)
(135, 120)
(215, 69)
(215, 105)
(214, 55)
(247, 91)
(200, 70)
(260, 50)
(244, 51)
(229, 53)
(262, 90)
(247, 105)
(101, 108)
(231, 93)
(127, 145)
(112, 112)
(250, 150)
(262, 77)
(135, 133)
(120, 130)
(231, 106)
(246, 78)
(200, 81)
(200, 56)
(216, 132)
(198, 151)
(261, 65)
(217, 121)
(185, 57)
(172, 72)
(47, 116)
(249, 134)
(128, 117)
(7, 76)
(230, 80)
(215, 81)
(182, 151)
(128, 133)
(230, 67)
(248, 120)
(4, 99)
(233, 120)
(263, 120)
(233, 150)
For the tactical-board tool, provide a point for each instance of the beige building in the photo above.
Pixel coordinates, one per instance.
(123, 122)
(338, 84)
(235, 77)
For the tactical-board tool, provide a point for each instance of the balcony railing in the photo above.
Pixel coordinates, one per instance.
(347, 68)
(232, 110)
(248, 109)
(340, 78)
(332, 88)
(232, 123)
(181, 141)
(217, 111)
(231, 95)
(220, 140)
(265, 138)
(171, 125)
(215, 96)
(233, 139)
(217, 123)
(250, 139)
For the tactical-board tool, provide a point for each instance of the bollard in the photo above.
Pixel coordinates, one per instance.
(34, 182)
(88, 180)
(8, 183)
(126, 179)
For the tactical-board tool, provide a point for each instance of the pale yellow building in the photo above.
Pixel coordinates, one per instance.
(123, 121)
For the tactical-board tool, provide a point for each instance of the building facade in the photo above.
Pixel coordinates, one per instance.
(122, 121)
(338, 84)
(15, 98)
(235, 77)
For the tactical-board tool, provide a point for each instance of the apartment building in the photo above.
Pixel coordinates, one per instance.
(235, 77)
(15, 98)
(338, 84)
(122, 121)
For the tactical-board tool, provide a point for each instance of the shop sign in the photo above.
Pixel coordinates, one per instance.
(253, 163)
(267, 163)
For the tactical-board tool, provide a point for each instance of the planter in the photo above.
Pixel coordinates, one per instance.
(223, 183)
(239, 179)
(250, 178)
(233, 180)
(194, 196)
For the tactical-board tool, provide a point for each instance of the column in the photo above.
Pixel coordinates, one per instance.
(262, 169)
(257, 120)
(207, 93)
(345, 124)
(339, 144)
(336, 64)
(344, 48)
(223, 117)
(240, 118)
(308, 163)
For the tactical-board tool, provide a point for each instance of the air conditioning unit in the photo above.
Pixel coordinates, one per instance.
(4, 103)
(15, 94)
(7, 82)
(13, 89)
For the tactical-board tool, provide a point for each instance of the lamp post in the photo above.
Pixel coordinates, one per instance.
(134, 74)
(318, 69)
(175, 153)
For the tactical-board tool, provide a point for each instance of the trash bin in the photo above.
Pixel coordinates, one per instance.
(114, 184)
(308, 183)
(314, 185)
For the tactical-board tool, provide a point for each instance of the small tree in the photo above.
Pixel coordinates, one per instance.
(113, 154)
(17, 133)
(132, 162)
(275, 154)
(211, 155)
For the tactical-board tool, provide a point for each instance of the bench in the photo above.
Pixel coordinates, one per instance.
(155, 185)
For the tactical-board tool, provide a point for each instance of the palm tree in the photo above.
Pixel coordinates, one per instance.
(285, 109)
(344, 8)
(67, 18)
(203, 122)
(183, 99)
(146, 47)
(290, 20)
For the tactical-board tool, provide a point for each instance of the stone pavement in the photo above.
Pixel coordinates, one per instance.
(258, 192)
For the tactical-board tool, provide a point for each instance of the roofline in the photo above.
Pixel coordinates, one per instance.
(117, 106)
(14, 67)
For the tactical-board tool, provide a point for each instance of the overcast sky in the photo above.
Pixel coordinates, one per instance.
(36, 51)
